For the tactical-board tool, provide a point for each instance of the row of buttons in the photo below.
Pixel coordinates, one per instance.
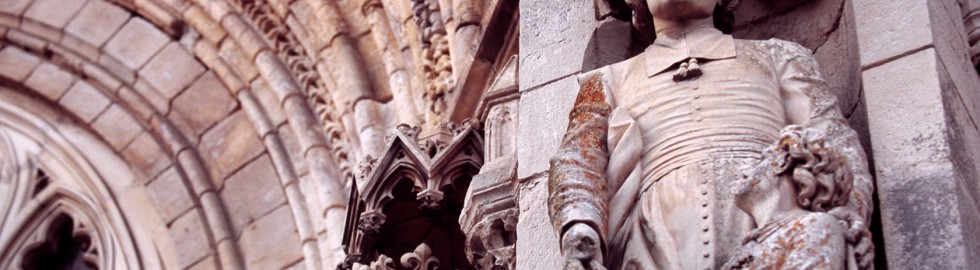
(697, 107)
(706, 228)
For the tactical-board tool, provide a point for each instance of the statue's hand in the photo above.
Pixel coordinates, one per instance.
(857, 236)
(581, 248)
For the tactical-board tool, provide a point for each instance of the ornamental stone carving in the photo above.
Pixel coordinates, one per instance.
(641, 177)
(413, 196)
(793, 195)
(436, 69)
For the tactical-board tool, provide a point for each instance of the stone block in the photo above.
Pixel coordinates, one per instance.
(263, 241)
(206, 264)
(117, 127)
(204, 103)
(545, 110)
(229, 145)
(252, 192)
(296, 154)
(152, 96)
(190, 239)
(235, 57)
(560, 38)
(171, 70)
(50, 81)
(170, 195)
(146, 157)
(55, 13)
(924, 221)
(136, 42)
(15, 7)
(888, 28)
(269, 101)
(200, 20)
(537, 241)
(85, 101)
(28, 41)
(97, 21)
(17, 64)
(115, 67)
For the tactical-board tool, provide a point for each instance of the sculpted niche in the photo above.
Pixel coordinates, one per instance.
(643, 176)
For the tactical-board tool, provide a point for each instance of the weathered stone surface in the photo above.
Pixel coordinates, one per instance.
(562, 38)
(917, 185)
(228, 145)
(97, 21)
(191, 242)
(537, 242)
(146, 157)
(135, 43)
(50, 81)
(203, 104)
(263, 241)
(170, 195)
(546, 110)
(205, 264)
(252, 192)
(84, 100)
(889, 28)
(55, 13)
(117, 126)
(17, 64)
(14, 6)
(172, 69)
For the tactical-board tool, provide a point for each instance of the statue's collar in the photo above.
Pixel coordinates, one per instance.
(703, 43)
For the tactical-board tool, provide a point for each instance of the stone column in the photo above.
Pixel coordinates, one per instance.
(559, 39)
(920, 89)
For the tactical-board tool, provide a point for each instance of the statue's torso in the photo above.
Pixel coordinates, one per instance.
(733, 110)
(697, 135)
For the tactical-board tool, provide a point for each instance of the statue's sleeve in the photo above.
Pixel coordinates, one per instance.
(809, 103)
(576, 185)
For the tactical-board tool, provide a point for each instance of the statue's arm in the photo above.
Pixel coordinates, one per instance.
(576, 185)
(809, 103)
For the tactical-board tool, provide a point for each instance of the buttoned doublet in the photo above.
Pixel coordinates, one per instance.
(675, 145)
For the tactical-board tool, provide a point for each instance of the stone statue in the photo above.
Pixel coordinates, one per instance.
(641, 178)
(788, 194)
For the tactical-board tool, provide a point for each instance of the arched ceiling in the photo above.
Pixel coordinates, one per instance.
(200, 98)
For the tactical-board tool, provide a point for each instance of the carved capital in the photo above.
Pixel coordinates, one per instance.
(370, 222)
(430, 200)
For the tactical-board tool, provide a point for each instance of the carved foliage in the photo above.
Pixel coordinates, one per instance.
(436, 69)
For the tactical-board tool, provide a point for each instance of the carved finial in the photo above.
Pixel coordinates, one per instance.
(410, 131)
(370, 222)
(383, 263)
(420, 259)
